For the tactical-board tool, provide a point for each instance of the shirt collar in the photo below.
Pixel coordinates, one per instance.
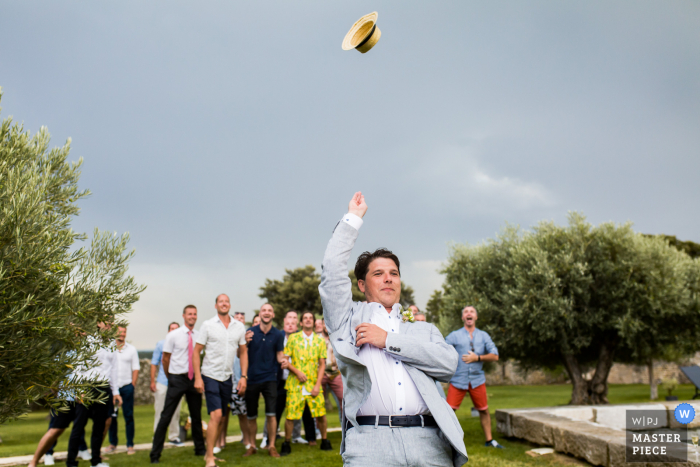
(218, 318)
(379, 308)
(310, 338)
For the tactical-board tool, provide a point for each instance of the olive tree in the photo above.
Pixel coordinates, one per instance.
(53, 291)
(577, 295)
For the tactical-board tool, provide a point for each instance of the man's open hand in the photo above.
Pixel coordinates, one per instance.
(248, 336)
(357, 205)
(370, 334)
(470, 357)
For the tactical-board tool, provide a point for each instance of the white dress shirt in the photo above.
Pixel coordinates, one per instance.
(221, 346)
(105, 368)
(127, 362)
(176, 344)
(393, 390)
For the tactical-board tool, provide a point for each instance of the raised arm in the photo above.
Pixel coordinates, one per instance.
(335, 287)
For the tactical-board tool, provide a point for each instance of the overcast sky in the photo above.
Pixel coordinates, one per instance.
(227, 138)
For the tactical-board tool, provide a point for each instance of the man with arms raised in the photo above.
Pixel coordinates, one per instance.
(178, 366)
(265, 346)
(223, 338)
(394, 415)
(475, 346)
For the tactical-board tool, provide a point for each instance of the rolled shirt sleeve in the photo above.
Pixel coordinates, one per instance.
(490, 346)
(157, 354)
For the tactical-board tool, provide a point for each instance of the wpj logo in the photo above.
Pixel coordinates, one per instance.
(643, 422)
(652, 437)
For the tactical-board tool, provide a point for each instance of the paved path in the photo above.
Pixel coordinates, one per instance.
(61, 456)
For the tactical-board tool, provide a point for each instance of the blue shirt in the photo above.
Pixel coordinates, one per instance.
(262, 355)
(470, 373)
(157, 359)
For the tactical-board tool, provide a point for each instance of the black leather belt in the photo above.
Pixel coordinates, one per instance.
(395, 421)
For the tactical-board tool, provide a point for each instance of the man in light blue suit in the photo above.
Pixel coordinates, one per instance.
(392, 412)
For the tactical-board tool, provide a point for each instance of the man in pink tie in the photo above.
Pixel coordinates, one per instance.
(178, 367)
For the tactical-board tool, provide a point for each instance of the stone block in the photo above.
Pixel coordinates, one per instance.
(584, 440)
(616, 451)
(533, 426)
(614, 416)
(503, 423)
(575, 413)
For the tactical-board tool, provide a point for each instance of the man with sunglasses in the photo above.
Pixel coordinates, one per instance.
(475, 347)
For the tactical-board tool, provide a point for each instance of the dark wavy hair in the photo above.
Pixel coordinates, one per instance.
(364, 260)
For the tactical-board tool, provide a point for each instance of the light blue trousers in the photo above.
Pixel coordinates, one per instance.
(367, 446)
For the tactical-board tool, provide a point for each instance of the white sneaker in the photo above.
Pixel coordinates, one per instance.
(263, 444)
(84, 455)
(299, 440)
(217, 449)
(48, 459)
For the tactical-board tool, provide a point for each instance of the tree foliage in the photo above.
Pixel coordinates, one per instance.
(692, 249)
(52, 293)
(579, 295)
(298, 290)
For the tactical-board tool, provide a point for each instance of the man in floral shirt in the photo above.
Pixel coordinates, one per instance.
(307, 363)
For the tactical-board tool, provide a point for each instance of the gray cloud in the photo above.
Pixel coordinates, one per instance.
(228, 138)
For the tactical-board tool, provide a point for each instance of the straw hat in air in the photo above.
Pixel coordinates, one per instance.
(363, 34)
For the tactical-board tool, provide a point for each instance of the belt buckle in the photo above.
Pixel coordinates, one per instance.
(393, 426)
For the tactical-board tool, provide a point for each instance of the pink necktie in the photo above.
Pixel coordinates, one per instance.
(190, 368)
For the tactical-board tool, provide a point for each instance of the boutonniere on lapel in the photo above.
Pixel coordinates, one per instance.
(407, 315)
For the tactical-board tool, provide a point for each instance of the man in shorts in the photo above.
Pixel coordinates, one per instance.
(58, 424)
(223, 338)
(475, 346)
(265, 346)
(238, 406)
(307, 364)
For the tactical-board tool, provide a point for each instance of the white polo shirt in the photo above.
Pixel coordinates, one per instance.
(221, 346)
(176, 344)
(127, 362)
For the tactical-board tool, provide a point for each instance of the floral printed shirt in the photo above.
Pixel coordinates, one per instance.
(304, 355)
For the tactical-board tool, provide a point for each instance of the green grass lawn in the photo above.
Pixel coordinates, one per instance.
(20, 437)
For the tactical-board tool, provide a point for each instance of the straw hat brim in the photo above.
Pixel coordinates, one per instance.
(364, 34)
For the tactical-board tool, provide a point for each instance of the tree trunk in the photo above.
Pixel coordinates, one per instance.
(595, 390)
(653, 387)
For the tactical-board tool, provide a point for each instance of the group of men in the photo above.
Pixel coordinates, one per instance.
(284, 367)
(391, 362)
